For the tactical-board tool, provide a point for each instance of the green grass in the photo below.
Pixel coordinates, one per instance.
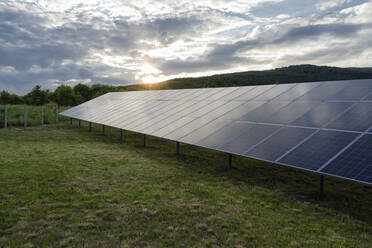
(61, 186)
(16, 115)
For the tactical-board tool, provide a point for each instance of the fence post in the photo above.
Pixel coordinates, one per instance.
(56, 113)
(42, 115)
(25, 115)
(5, 117)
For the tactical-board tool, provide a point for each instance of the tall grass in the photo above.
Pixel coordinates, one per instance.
(15, 114)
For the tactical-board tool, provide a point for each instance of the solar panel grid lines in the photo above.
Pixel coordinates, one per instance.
(322, 114)
(241, 91)
(186, 129)
(138, 111)
(199, 105)
(247, 138)
(297, 91)
(254, 93)
(113, 109)
(274, 92)
(318, 149)
(102, 108)
(354, 92)
(340, 152)
(291, 112)
(357, 118)
(324, 91)
(279, 143)
(172, 113)
(355, 163)
(125, 115)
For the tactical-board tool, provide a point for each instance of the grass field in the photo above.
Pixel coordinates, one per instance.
(62, 186)
(16, 115)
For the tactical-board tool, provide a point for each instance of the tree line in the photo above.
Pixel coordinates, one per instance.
(63, 95)
(70, 96)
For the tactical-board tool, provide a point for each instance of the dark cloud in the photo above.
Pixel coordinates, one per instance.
(88, 43)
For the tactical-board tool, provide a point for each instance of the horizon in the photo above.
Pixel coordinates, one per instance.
(117, 42)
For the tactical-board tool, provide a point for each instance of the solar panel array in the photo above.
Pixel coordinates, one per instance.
(324, 127)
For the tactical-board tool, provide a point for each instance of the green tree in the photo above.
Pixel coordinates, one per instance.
(5, 97)
(37, 96)
(64, 95)
(82, 92)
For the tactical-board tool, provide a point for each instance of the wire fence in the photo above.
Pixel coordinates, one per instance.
(30, 115)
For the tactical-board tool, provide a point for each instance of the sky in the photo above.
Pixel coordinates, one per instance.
(120, 42)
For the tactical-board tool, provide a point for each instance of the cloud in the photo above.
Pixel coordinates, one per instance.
(127, 41)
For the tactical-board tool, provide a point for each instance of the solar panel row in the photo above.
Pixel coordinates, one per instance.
(321, 127)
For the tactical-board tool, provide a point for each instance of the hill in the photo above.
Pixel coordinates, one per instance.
(290, 74)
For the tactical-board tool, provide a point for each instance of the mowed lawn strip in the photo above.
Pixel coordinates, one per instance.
(61, 186)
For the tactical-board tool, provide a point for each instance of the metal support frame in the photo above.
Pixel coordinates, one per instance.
(5, 116)
(144, 140)
(42, 115)
(90, 126)
(56, 113)
(103, 129)
(121, 136)
(25, 115)
(70, 121)
(321, 185)
(79, 123)
(229, 158)
(177, 147)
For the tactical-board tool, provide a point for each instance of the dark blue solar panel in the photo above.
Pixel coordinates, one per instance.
(274, 92)
(356, 90)
(355, 162)
(318, 149)
(322, 114)
(357, 118)
(290, 112)
(250, 137)
(241, 110)
(261, 113)
(203, 131)
(186, 129)
(278, 144)
(252, 94)
(324, 91)
(225, 133)
(297, 91)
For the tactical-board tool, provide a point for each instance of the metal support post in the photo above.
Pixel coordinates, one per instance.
(229, 161)
(103, 129)
(42, 115)
(121, 136)
(56, 113)
(178, 147)
(25, 115)
(70, 121)
(144, 140)
(5, 117)
(79, 123)
(90, 126)
(321, 185)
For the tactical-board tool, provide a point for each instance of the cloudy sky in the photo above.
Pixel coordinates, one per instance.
(124, 42)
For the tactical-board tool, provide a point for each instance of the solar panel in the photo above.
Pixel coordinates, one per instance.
(324, 127)
(203, 131)
(318, 149)
(357, 118)
(355, 162)
(281, 142)
(247, 138)
(322, 114)
(354, 91)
